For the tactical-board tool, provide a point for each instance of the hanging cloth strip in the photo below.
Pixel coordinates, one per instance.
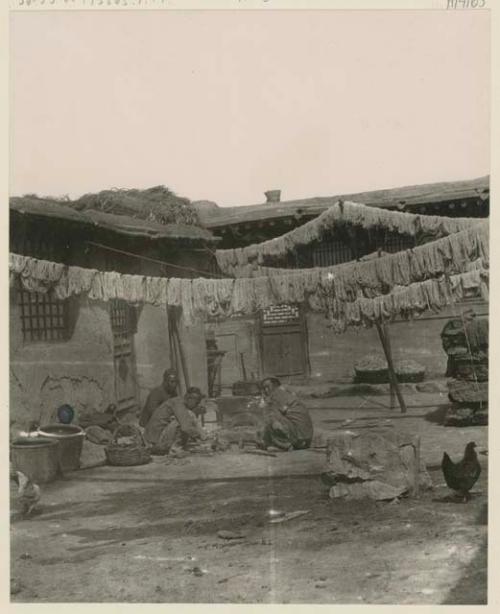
(370, 278)
(235, 262)
(337, 291)
(421, 258)
(408, 302)
(449, 255)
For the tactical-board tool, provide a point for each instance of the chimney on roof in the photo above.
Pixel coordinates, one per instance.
(273, 196)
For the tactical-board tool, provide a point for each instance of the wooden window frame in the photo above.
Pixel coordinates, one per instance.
(44, 318)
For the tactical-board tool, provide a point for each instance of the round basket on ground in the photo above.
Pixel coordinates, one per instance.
(371, 370)
(128, 447)
(409, 371)
(374, 370)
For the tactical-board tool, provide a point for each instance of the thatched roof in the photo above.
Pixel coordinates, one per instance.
(145, 223)
(405, 197)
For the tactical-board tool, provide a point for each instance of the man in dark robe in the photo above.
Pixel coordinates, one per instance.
(159, 395)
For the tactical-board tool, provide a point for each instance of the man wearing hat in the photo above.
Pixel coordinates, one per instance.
(159, 395)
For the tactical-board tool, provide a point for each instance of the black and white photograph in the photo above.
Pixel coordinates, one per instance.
(248, 303)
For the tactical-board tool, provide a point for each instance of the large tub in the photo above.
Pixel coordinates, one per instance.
(36, 457)
(70, 438)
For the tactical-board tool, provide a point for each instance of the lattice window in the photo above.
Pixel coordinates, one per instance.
(43, 317)
(280, 314)
(394, 242)
(123, 317)
(329, 253)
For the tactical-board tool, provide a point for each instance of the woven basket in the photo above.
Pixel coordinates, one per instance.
(371, 376)
(127, 455)
(371, 370)
(374, 370)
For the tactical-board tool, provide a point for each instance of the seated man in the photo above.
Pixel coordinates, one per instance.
(157, 396)
(174, 423)
(287, 423)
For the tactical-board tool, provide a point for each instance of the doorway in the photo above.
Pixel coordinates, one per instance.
(283, 341)
(124, 327)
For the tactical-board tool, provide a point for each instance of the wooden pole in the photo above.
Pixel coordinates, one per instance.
(390, 364)
(385, 330)
(182, 355)
(171, 340)
(183, 384)
(416, 476)
(384, 334)
(177, 354)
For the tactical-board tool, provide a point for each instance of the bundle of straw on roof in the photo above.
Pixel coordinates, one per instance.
(157, 204)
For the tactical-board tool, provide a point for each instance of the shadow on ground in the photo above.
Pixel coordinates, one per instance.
(353, 390)
(472, 588)
(438, 415)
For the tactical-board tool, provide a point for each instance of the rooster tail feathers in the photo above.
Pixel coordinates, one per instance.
(446, 462)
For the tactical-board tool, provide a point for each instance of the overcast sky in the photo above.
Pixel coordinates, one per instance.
(224, 105)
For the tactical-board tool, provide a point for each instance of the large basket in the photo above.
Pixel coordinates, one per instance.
(127, 455)
(409, 372)
(374, 370)
(371, 369)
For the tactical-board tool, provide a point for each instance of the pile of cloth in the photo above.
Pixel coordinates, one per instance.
(100, 426)
(465, 340)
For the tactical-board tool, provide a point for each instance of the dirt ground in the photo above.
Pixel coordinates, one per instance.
(150, 534)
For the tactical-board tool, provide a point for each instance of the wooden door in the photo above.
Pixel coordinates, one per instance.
(230, 365)
(123, 327)
(283, 341)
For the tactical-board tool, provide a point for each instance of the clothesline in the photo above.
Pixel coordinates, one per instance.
(437, 269)
(155, 261)
(239, 262)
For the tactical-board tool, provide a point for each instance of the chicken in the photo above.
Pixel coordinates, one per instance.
(462, 476)
(28, 494)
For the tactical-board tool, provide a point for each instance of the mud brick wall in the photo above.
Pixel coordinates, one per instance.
(44, 375)
(331, 356)
(80, 371)
(195, 348)
(152, 350)
(235, 336)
